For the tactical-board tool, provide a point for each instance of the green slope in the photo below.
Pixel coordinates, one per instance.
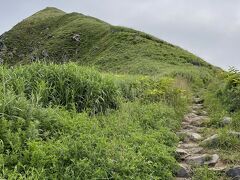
(68, 121)
(53, 35)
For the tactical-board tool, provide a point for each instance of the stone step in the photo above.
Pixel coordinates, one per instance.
(189, 135)
(203, 159)
(188, 145)
(184, 171)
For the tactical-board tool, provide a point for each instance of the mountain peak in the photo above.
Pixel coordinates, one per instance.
(53, 35)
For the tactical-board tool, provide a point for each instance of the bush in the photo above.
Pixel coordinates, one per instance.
(41, 137)
(230, 93)
(135, 141)
(65, 85)
(149, 89)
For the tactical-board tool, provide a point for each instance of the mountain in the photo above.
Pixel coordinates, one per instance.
(53, 35)
(146, 109)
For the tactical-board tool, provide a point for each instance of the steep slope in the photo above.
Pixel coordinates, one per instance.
(53, 35)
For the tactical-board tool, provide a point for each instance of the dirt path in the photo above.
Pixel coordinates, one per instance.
(190, 153)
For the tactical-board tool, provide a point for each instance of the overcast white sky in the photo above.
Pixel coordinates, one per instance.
(208, 28)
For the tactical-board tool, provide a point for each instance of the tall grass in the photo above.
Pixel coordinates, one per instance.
(67, 85)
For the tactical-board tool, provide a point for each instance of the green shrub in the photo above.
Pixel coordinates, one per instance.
(65, 85)
(136, 141)
(149, 89)
(203, 173)
(230, 93)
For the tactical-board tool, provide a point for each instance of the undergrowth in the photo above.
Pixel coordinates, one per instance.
(47, 132)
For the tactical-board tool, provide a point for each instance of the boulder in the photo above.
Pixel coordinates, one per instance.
(188, 145)
(76, 37)
(184, 171)
(198, 100)
(194, 136)
(226, 121)
(45, 53)
(235, 134)
(204, 159)
(195, 150)
(181, 154)
(213, 160)
(197, 107)
(211, 140)
(234, 172)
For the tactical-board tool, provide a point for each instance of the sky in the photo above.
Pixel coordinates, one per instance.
(207, 28)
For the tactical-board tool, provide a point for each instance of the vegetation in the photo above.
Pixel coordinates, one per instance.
(44, 136)
(54, 36)
(61, 119)
(222, 100)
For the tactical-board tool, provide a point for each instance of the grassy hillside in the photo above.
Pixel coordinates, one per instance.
(52, 35)
(65, 122)
(61, 119)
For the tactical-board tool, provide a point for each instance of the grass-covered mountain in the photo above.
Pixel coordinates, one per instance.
(61, 119)
(53, 35)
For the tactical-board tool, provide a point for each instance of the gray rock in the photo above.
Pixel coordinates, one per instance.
(234, 172)
(197, 106)
(184, 171)
(214, 159)
(196, 160)
(194, 136)
(211, 140)
(188, 145)
(226, 121)
(181, 154)
(189, 134)
(198, 100)
(235, 134)
(45, 53)
(76, 37)
(218, 169)
(195, 150)
(204, 113)
(204, 159)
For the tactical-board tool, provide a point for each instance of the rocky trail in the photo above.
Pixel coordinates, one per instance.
(191, 154)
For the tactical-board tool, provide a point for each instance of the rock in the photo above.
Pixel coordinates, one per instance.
(198, 100)
(235, 134)
(196, 160)
(211, 140)
(194, 136)
(214, 159)
(189, 134)
(181, 154)
(204, 159)
(204, 113)
(184, 171)
(234, 172)
(76, 37)
(45, 53)
(218, 169)
(188, 145)
(195, 150)
(226, 121)
(197, 106)
(190, 116)
(198, 121)
(189, 127)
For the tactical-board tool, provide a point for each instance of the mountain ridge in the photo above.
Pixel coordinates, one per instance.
(53, 35)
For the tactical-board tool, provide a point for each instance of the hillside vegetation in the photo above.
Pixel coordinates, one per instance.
(54, 36)
(82, 99)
